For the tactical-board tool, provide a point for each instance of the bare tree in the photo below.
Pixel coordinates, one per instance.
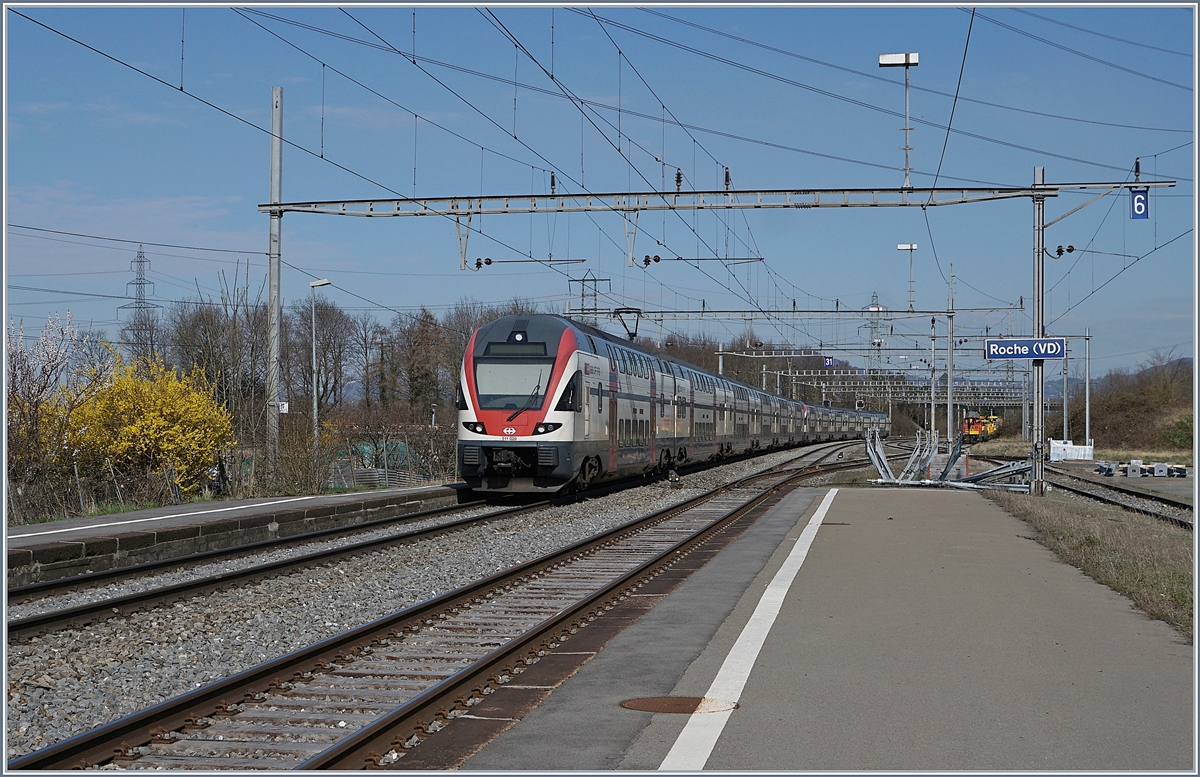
(367, 335)
(335, 331)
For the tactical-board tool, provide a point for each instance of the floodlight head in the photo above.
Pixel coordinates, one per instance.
(906, 247)
(898, 60)
(322, 282)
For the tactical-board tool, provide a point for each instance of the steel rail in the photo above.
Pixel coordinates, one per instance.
(1100, 497)
(1186, 524)
(104, 743)
(82, 615)
(365, 748)
(1124, 490)
(24, 593)
(58, 586)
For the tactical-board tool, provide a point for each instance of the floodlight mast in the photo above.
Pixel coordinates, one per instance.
(905, 61)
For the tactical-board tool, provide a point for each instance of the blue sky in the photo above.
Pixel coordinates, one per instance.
(98, 149)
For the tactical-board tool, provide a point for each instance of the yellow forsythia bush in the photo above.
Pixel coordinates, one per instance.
(149, 417)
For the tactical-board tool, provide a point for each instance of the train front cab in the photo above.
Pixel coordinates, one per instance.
(520, 392)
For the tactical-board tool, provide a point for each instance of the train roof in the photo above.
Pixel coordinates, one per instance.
(539, 326)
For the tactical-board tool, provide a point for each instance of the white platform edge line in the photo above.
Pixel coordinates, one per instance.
(695, 743)
(162, 517)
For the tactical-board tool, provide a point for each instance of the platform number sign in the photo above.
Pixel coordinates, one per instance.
(1139, 203)
(828, 361)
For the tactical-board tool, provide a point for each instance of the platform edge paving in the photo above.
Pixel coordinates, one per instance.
(32, 559)
(584, 717)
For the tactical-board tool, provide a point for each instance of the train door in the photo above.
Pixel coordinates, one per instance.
(653, 429)
(691, 418)
(613, 417)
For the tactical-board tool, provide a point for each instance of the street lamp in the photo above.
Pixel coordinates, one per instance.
(313, 288)
(910, 247)
(905, 61)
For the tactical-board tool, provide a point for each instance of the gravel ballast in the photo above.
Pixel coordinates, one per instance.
(72, 681)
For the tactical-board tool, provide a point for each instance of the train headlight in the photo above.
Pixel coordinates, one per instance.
(545, 428)
(474, 426)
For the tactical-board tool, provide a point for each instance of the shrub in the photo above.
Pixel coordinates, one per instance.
(148, 417)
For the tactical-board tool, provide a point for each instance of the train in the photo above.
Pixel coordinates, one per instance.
(980, 429)
(546, 402)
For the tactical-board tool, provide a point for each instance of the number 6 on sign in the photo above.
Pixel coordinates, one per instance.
(1139, 203)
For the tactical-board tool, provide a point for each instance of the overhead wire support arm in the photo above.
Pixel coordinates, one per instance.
(627, 202)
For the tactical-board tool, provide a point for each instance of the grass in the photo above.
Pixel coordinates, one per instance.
(1009, 446)
(1143, 558)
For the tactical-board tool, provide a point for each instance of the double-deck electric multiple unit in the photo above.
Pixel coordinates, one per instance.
(545, 402)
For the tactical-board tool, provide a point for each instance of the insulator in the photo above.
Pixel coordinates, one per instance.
(678, 179)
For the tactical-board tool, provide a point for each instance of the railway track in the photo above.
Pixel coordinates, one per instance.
(365, 697)
(1165, 508)
(104, 607)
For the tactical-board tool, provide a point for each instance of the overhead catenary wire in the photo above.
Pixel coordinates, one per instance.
(1085, 55)
(1102, 35)
(666, 110)
(246, 122)
(500, 26)
(915, 88)
(850, 100)
(957, 88)
(1118, 273)
(629, 112)
(770, 275)
(266, 131)
(485, 116)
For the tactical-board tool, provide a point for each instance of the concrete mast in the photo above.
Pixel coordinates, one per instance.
(273, 304)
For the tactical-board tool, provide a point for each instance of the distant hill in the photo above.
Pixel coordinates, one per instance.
(1148, 409)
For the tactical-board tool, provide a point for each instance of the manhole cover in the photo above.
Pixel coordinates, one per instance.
(684, 705)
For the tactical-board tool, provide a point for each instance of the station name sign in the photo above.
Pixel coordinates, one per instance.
(1041, 348)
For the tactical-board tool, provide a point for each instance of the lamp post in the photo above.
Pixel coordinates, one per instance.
(910, 247)
(313, 288)
(905, 61)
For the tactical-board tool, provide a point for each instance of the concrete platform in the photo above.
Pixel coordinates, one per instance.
(924, 631)
(46, 551)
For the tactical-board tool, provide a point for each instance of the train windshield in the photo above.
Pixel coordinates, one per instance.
(513, 383)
